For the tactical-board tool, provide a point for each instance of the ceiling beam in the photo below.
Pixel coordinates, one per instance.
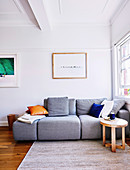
(39, 11)
(60, 8)
(105, 5)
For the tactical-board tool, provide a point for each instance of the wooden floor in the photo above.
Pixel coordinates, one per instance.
(11, 152)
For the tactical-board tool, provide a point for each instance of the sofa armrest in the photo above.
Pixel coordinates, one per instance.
(125, 114)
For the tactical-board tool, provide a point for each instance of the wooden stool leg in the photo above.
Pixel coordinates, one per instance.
(104, 136)
(123, 137)
(113, 138)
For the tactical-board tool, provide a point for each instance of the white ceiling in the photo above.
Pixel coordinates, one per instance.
(82, 11)
(46, 13)
(16, 13)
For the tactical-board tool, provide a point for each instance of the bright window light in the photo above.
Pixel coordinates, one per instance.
(123, 63)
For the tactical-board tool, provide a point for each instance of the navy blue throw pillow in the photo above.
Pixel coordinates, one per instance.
(95, 110)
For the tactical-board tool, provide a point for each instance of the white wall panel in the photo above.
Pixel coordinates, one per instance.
(35, 65)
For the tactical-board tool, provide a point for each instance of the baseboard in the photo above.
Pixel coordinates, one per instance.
(3, 123)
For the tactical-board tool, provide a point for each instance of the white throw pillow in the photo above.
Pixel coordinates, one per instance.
(108, 105)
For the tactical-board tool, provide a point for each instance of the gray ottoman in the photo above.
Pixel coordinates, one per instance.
(59, 128)
(24, 131)
(91, 128)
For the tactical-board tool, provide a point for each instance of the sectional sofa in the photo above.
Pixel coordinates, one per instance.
(74, 125)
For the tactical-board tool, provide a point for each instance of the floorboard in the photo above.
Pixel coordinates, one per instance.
(12, 153)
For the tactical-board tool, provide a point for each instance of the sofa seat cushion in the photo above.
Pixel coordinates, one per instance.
(59, 128)
(24, 131)
(91, 128)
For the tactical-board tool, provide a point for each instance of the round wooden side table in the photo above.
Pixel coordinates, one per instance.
(116, 123)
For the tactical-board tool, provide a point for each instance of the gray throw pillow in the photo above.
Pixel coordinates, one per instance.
(84, 105)
(72, 106)
(58, 106)
(118, 104)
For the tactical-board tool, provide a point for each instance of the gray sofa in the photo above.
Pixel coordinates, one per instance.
(74, 126)
(51, 128)
(90, 126)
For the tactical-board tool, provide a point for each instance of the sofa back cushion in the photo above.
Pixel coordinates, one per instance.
(45, 103)
(84, 105)
(118, 104)
(72, 106)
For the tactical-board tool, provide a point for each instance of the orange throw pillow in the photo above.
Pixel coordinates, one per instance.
(37, 110)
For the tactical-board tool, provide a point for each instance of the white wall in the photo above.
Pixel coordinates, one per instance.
(35, 50)
(120, 27)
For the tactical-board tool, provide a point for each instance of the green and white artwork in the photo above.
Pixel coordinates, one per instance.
(8, 70)
(6, 66)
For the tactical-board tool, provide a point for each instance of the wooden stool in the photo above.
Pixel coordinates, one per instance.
(11, 118)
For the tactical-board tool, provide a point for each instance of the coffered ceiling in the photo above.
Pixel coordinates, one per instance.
(46, 13)
(82, 11)
(16, 13)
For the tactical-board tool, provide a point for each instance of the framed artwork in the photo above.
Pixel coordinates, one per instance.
(8, 70)
(69, 65)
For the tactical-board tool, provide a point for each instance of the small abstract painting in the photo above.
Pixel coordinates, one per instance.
(6, 66)
(8, 70)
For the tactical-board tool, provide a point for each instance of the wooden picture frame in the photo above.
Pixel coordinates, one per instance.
(69, 65)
